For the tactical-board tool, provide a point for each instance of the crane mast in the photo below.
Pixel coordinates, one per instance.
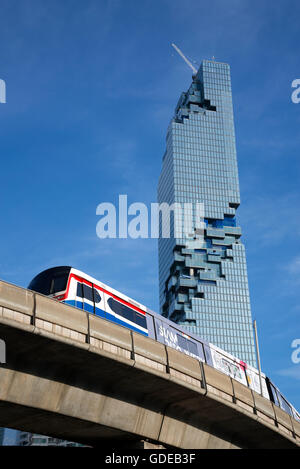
(184, 58)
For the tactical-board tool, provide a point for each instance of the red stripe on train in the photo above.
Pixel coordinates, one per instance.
(83, 280)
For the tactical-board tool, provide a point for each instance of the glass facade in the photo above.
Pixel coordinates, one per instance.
(1, 436)
(202, 271)
(32, 439)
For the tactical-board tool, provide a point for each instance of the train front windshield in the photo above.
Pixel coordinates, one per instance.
(51, 281)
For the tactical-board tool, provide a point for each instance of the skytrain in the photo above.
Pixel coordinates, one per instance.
(75, 288)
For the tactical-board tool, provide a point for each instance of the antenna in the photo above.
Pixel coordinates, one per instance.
(184, 58)
(258, 357)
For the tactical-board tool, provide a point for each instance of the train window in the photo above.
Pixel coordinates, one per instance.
(207, 355)
(192, 347)
(58, 283)
(87, 292)
(274, 394)
(141, 320)
(50, 281)
(127, 313)
(284, 405)
(119, 309)
(79, 290)
(182, 342)
(277, 398)
(97, 297)
(187, 345)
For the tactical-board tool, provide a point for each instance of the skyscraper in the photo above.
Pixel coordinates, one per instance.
(202, 273)
(32, 439)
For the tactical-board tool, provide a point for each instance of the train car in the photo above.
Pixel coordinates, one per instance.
(278, 399)
(78, 289)
(238, 370)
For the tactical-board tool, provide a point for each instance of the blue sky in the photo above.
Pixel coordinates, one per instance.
(91, 87)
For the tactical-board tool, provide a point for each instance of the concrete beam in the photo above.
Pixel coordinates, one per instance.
(100, 382)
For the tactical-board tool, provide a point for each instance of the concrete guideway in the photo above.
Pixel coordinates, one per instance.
(74, 376)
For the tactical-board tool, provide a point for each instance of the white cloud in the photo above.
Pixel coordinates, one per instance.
(294, 266)
(274, 222)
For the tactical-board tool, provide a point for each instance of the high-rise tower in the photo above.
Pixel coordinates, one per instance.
(204, 285)
(1, 436)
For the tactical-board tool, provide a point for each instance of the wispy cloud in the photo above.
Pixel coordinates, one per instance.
(291, 372)
(294, 266)
(273, 219)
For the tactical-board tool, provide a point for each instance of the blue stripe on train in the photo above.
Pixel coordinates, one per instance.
(112, 318)
(79, 304)
(103, 314)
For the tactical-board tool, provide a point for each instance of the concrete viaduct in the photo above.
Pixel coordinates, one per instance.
(74, 376)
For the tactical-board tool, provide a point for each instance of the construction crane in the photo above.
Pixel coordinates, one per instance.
(184, 58)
